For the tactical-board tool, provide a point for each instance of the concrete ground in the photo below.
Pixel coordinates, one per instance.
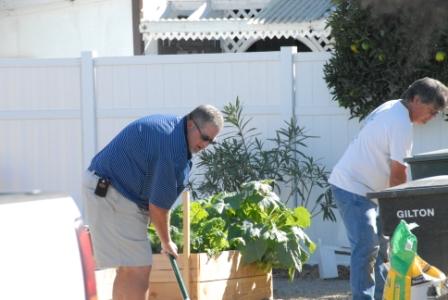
(301, 289)
(308, 287)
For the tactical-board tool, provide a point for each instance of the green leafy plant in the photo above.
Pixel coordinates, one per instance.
(253, 221)
(381, 47)
(241, 157)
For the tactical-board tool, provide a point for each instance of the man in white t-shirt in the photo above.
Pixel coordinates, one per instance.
(375, 161)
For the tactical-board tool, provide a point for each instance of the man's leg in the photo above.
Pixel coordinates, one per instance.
(131, 283)
(359, 216)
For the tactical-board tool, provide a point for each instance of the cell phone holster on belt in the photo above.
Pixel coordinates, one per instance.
(101, 187)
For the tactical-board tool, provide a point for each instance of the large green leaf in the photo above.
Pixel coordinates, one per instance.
(269, 202)
(250, 230)
(234, 201)
(279, 236)
(197, 213)
(235, 231)
(284, 255)
(253, 250)
(302, 216)
(219, 206)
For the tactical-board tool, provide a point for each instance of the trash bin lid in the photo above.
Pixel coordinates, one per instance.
(432, 155)
(424, 186)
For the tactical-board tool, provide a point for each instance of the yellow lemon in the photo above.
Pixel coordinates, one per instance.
(440, 56)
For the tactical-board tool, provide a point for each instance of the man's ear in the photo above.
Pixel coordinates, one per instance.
(189, 124)
(415, 99)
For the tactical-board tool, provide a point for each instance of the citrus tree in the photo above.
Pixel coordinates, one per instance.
(380, 50)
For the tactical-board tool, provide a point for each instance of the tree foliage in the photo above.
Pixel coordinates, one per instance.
(380, 47)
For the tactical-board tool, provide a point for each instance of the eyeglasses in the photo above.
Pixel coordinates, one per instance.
(203, 136)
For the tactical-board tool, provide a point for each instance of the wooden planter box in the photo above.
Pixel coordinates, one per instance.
(223, 277)
(217, 278)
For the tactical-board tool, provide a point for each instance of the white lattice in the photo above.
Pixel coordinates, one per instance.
(314, 40)
(236, 44)
(320, 40)
(242, 13)
(314, 34)
(240, 43)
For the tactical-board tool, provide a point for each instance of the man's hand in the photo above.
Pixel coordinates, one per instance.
(160, 217)
(397, 173)
(170, 248)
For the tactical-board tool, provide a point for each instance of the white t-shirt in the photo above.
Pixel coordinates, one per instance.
(386, 135)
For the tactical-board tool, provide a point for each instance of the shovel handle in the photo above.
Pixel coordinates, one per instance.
(180, 281)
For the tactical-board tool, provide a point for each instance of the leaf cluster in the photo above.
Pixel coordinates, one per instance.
(380, 49)
(241, 157)
(253, 221)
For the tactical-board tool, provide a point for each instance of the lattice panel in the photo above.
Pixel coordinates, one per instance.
(242, 13)
(313, 35)
(321, 40)
(236, 44)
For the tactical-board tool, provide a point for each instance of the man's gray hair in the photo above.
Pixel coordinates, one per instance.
(431, 91)
(207, 113)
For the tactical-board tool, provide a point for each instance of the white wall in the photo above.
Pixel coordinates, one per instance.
(65, 28)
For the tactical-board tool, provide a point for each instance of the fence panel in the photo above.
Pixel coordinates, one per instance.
(128, 88)
(55, 114)
(323, 119)
(40, 126)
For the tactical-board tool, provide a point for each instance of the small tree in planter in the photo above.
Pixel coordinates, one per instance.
(241, 157)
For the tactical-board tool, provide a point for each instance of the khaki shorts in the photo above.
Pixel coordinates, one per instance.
(118, 227)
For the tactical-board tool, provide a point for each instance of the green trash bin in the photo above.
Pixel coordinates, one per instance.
(428, 164)
(425, 202)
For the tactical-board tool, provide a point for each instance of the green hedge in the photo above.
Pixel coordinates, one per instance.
(377, 54)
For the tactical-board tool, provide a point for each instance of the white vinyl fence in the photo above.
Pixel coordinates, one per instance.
(55, 114)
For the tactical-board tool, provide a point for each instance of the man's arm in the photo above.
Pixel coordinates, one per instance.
(397, 173)
(160, 217)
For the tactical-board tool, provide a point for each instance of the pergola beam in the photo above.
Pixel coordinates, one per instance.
(215, 28)
(218, 4)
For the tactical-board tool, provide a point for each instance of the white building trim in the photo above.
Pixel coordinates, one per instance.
(239, 31)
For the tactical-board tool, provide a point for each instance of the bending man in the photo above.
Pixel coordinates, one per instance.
(136, 178)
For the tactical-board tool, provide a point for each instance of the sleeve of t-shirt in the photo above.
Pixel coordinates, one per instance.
(400, 138)
(164, 188)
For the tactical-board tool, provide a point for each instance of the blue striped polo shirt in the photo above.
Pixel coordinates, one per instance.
(148, 161)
